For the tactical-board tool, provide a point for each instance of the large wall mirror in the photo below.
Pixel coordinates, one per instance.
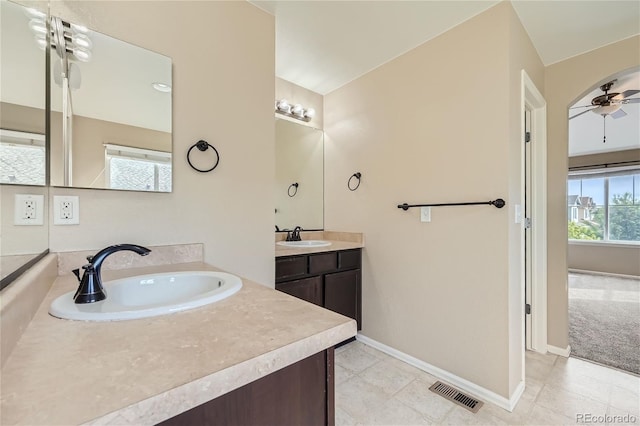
(22, 138)
(110, 112)
(299, 176)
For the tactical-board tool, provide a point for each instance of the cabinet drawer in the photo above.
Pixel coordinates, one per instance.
(325, 262)
(288, 267)
(349, 259)
(309, 289)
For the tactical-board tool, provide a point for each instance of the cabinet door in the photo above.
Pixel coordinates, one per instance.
(309, 289)
(342, 293)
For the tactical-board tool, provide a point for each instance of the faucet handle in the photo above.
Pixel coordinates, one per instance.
(89, 258)
(76, 272)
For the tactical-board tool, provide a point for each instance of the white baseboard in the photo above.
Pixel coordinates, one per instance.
(462, 384)
(559, 351)
(606, 274)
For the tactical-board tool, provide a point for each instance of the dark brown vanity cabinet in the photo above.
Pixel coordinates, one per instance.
(330, 279)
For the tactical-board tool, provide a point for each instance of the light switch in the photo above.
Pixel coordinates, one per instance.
(425, 214)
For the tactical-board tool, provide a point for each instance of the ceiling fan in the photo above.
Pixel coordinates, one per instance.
(608, 103)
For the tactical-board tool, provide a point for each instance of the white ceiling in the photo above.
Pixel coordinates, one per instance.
(586, 131)
(322, 45)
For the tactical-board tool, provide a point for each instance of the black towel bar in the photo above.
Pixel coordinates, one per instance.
(498, 203)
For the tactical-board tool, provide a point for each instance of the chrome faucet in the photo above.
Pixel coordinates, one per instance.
(90, 289)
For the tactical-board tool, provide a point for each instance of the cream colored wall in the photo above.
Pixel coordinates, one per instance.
(437, 291)
(223, 75)
(604, 158)
(89, 137)
(610, 258)
(522, 55)
(299, 95)
(565, 82)
(22, 118)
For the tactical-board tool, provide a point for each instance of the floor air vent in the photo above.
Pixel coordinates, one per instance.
(457, 397)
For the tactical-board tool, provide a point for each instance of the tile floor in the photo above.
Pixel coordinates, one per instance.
(373, 388)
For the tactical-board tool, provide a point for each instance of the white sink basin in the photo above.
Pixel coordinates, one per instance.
(305, 243)
(150, 295)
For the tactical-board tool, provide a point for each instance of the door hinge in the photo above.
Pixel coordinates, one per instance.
(527, 308)
(527, 223)
(527, 136)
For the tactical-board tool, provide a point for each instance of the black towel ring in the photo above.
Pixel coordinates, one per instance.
(295, 189)
(356, 175)
(203, 145)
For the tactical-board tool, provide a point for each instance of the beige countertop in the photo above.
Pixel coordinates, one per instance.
(335, 246)
(145, 371)
(338, 240)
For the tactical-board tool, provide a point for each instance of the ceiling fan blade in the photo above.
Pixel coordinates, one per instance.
(631, 101)
(579, 114)
(582, 106)
(625, 94)
(618, 114)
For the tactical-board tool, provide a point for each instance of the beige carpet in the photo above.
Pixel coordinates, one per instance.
(604, 320)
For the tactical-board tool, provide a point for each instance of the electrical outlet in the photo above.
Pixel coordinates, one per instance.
(66, 210)
(425, 214)
(29, 209)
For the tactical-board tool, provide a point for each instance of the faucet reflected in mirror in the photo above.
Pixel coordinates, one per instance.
(90, 289)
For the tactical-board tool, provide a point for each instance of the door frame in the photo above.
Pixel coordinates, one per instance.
(532, 99)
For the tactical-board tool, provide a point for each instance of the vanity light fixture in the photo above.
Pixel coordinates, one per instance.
(69, 40)
(296, 111)
(161, 87)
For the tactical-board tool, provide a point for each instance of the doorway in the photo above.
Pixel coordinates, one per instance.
(534, 262)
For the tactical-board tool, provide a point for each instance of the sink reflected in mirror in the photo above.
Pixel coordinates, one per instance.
(305, 243)
(150, 295)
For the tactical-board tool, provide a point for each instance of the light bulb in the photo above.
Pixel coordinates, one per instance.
(38, 26)
(310, 113)
(297, 110)
(82, 40)
(284, 106)
(81, 54)
(79, 28)
(161, 87)
(34, 13)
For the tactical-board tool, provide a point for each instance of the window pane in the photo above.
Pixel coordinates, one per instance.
(131, 174)
(573, 187)
(164, 177)
(621, 190)
(585, 204)
(624, 223)
(22, 164)
(594, 188)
